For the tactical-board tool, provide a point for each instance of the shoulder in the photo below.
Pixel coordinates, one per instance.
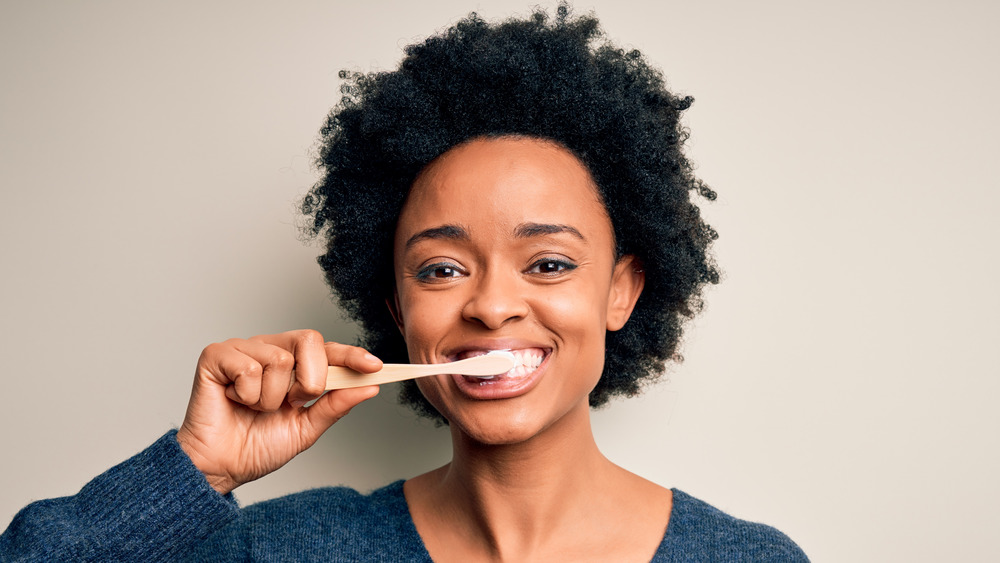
(698, 531)
(352, 507)
(336, 520)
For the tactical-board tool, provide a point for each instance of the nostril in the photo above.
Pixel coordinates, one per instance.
(494, 314)
(494, 299)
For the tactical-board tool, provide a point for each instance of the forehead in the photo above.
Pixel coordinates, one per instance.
(504, 181)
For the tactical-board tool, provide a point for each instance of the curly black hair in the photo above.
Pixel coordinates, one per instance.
(557, 80)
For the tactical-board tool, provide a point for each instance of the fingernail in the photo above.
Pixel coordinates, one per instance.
(370, 357)
(298, 404)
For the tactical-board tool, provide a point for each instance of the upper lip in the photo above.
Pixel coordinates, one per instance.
(467, 348)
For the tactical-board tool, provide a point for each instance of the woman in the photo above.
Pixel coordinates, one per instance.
(516, 187)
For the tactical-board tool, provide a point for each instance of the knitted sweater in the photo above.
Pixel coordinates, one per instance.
(157, 506)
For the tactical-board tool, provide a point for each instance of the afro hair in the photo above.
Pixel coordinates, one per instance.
(557, 79)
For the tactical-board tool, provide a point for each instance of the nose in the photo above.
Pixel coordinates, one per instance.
(495, 300)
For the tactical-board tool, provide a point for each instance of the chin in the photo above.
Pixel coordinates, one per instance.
(497, 426)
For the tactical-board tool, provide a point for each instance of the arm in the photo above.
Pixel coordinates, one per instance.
(155, 506)
(246, 418)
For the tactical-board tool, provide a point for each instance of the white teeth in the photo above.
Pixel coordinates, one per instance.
(526, 361)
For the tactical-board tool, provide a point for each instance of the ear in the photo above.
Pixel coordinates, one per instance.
(627, 282)
(394, 310)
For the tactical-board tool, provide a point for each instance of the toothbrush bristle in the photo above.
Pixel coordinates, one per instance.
(504, 353)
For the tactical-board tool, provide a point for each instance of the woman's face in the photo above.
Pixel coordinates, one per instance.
(505, 244)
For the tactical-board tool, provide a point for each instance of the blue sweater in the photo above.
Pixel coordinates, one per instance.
(157, 506)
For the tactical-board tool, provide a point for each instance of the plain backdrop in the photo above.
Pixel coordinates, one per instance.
(841, 384)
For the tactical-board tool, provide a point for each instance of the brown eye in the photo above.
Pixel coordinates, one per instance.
(441, 271)
(551, 267)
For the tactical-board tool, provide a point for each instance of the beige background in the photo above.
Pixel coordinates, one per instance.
(841, 385)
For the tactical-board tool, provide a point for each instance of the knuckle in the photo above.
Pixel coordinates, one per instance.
(218, 350)
(246, 369)
(213, 349)
(310, 337)
(282, 359)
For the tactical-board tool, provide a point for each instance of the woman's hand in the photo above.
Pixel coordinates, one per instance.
(246, 416)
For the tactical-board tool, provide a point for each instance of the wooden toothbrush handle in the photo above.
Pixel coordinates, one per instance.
(343, 378)
(490, 364)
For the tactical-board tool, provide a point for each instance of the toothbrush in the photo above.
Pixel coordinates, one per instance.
(494, 362)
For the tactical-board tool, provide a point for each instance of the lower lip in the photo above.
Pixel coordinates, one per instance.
(500, 387)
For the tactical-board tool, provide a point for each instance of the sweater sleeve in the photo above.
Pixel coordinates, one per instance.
(155, 506)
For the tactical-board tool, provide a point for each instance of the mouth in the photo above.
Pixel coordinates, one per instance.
(526, 361)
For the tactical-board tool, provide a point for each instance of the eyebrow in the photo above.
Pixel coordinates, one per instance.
(453, 232)
(528, 230)
(524, 230)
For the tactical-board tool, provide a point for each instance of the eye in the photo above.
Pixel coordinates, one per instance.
(439, 271)
(549, 267)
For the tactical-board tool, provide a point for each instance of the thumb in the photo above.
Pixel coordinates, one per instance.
(331, 407)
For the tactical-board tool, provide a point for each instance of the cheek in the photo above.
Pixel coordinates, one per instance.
(580, 312)
(578, 318)
(426, 317)
(431, 391)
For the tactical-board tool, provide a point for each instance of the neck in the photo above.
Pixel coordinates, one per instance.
(517, 495)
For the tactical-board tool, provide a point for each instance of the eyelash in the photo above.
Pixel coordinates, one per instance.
(428, 274)
(561, 266)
